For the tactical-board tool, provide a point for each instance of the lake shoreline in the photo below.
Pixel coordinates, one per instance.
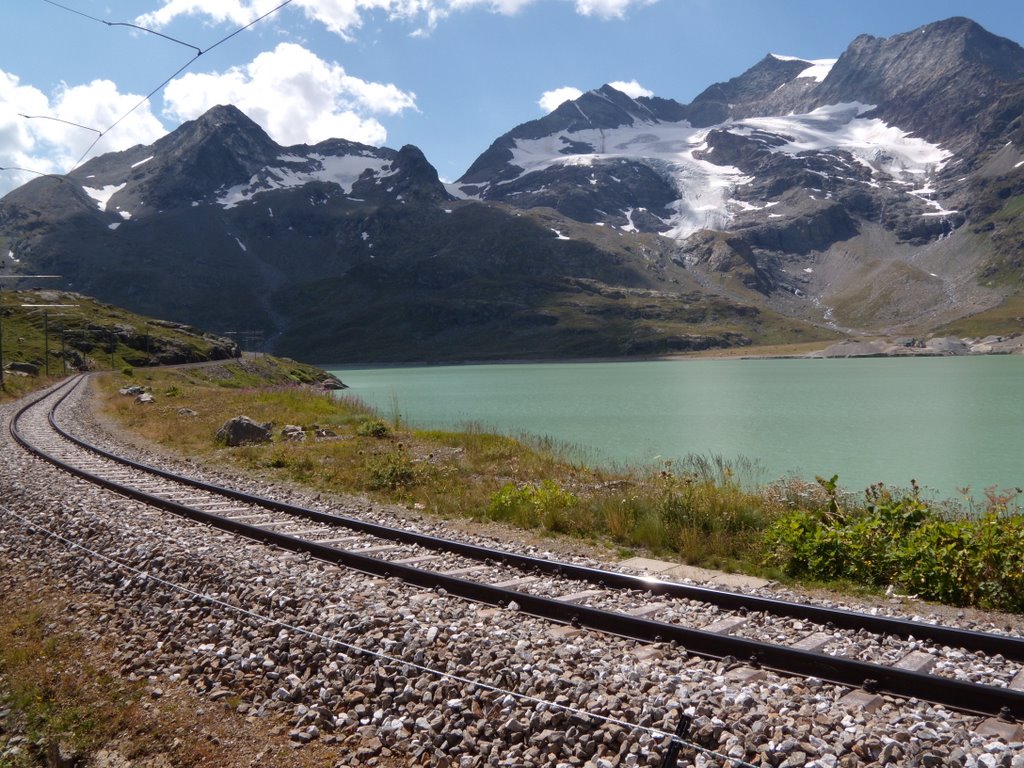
(949, 346)
(948, 424)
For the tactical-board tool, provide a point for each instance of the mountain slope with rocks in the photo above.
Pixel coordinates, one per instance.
(877, 193)
(341, 251)
(816, 185)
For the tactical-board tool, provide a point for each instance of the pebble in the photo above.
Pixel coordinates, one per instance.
(302, 664)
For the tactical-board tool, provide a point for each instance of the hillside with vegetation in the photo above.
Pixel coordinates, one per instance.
(47, 333)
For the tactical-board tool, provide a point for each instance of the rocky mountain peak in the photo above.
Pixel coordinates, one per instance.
(932, 80)
(225, 136)
(739, 96)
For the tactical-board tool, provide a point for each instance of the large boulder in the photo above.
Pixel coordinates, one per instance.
(242, 430)
(30, 369)
(332, 382)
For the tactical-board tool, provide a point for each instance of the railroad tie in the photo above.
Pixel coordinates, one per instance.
(513, 583)
(862, 700)
(304, 531)
(249, 517)
(997, 728)
(579, 597)
(725, 626)
(463, 571)
(1017, 683)
(916, 661)
(564, 632)
(417, 560)
(646, 653)
(814, 642)
(382, 548)
(645, 610)
(339, 540)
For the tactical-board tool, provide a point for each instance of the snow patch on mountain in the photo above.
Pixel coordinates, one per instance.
(704, 188)
(342, 170)
(680, 153)
(817, 69)
(882, 147)
(102, 195)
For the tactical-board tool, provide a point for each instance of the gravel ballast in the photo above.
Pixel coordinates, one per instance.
(384, 673)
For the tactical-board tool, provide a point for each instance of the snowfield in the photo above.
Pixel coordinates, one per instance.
(706, 189)
(342, 170)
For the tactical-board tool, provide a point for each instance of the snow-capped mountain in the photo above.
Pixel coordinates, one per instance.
(878, 192)
(902, 108)
(665, 176)
(342, 251)
(798, 161)
(224, 158)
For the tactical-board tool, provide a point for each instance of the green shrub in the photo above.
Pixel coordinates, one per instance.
(373, 428)
(535, 506)
(390, 470)
(900, 539)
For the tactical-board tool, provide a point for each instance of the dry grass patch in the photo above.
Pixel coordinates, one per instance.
(702, 509)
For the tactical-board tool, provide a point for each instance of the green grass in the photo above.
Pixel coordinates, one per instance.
(1003, 320)
(87, 335)
(702, 510)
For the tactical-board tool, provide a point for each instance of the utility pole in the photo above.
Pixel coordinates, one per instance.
(46, 326)
(3, 383)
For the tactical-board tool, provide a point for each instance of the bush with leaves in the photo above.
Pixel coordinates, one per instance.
(532, 506)
(898, 538)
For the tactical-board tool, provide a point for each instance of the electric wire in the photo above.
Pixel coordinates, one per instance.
(59, 120)
(123, 24)
(56, 176)
(357, 651)
(198, 52)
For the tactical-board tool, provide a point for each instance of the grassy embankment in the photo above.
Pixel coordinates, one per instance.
(700, 510)
(48, 334)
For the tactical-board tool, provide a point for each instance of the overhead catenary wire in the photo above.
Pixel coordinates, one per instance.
(198, 52)
(357, 651)
(56, 176)
(123, 24)
(59, 120)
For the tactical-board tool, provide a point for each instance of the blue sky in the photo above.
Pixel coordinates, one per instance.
(447, 75)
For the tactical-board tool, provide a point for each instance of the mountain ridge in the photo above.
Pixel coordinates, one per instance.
(793, 201)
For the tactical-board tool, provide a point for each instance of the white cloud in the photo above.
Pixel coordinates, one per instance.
(633, 89)
(551, 100)
(296, 96)
(506, 7)
(50, 146)
(608, 9)
(343, 17)
(236, 12)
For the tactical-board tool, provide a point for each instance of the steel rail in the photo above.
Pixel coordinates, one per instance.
(969, 697)
(987, 642)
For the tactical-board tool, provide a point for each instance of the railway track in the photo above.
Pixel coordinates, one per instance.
(872, 654)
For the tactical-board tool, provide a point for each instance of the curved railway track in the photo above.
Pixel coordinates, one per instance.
(837, 646)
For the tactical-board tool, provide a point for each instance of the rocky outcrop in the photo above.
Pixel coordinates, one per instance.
(242, 430)
(933, 80)
(293, 433)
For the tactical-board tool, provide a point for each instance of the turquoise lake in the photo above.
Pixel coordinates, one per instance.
(949, 422)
